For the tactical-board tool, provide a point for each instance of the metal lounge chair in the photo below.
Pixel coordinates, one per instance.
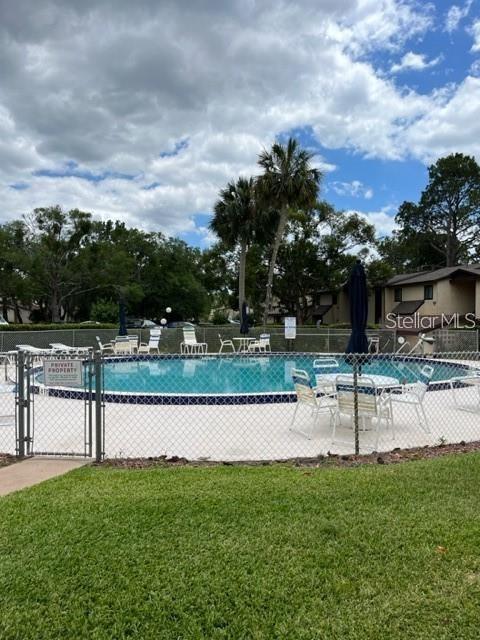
(152, 345)
(306, 396)
(190, 344)
(60, 348)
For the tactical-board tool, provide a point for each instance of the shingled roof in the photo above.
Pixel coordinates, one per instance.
(420, 277)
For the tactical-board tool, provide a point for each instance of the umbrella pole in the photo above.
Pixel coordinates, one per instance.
(355, 404)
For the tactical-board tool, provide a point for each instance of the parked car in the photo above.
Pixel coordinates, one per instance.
(178, 324)
(140, 323)
(233, 321)
(2, 320)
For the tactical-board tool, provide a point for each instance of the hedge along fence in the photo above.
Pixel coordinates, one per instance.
(47, 326)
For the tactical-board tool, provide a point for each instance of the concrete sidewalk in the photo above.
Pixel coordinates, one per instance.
(20, 475)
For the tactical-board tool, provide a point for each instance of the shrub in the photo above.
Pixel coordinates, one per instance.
(104, 311)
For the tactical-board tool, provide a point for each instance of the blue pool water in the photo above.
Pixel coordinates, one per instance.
(238, 374)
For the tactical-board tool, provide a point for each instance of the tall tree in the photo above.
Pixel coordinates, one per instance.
(57, 239)
(235, 221)
(289, 183)
(448, 212)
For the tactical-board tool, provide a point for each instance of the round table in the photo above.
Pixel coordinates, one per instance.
(381, 382)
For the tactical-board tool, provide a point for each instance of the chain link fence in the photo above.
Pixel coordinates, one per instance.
(307, 338)
(456, 340)
(243, 406)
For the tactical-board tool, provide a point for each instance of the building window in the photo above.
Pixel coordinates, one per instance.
(334, 298)
(428, 292)
(397, 294)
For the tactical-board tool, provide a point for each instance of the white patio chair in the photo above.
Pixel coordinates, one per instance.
(306, 396)
(321, 368)
(412, 395)
(262, 344)
(151, 346)
(225, 343)
(104, 348)
(190, 344)
(471, 378)
(374, 407)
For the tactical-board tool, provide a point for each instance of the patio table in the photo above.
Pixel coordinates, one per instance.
(381, 382)
(243, 343)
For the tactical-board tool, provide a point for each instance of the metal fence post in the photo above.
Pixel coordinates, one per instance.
(98, 407)
(355, 403)
(20, 404)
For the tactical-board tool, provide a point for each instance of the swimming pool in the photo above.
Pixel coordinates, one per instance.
(265, 374)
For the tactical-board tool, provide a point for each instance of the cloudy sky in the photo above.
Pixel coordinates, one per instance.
(142, 110)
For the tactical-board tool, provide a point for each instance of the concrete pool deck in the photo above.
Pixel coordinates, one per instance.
(230, 433)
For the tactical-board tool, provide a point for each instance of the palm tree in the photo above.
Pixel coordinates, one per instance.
(289, 183)
(234, 222)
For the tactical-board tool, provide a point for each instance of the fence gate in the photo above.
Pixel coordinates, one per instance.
(55, 415)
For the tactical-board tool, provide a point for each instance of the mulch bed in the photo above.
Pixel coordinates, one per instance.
(330, 460)
(6, 459)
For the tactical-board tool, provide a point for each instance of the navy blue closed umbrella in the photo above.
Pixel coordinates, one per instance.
(122, 318)
(358, 298)
(244, 328)
(358, 343)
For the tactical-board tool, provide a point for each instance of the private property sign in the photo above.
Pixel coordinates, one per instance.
(62, 373)
(290, 328)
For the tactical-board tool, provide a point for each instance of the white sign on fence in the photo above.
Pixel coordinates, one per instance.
(63, 373)
(290, 328)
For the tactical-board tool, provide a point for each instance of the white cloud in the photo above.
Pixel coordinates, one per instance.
(475, 68)
(475, 32)
(455, 14)
(355, 189)
(414, 61)
(112, 86)
(383, 220)
(453, 124)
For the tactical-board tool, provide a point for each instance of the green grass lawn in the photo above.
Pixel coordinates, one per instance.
(234, 552)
